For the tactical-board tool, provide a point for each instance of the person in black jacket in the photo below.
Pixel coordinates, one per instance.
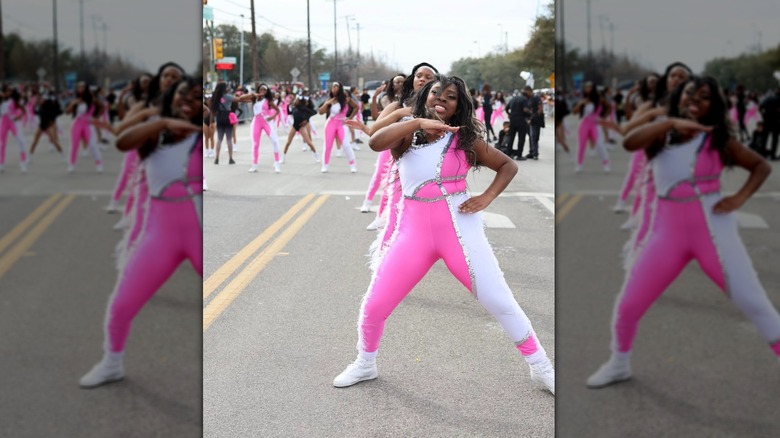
(48, 110)
(519, 110)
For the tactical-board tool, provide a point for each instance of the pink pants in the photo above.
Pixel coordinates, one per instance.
(682, 232)
(334, 130)
(383, 162)
(173, 234)
(426, 233)
(259, 124)
(129, 163)
(638, 161)
(82, 131)
(589, 130)
(8, 125)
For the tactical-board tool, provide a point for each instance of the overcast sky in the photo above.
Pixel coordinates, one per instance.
(403, 32)
(146, 32)
(660, 32)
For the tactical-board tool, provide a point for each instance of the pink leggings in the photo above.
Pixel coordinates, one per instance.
(334, 130)
(427, 233)
(82, 131)
(8, 125)
(589, 130)
(129, 164)
(259, 124)
(383, 162)
(681, 232)
(638, 161)
(172, 235)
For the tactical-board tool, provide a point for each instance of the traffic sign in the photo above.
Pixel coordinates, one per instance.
(208, 13)
(227, 60)
(295, 72)
(224, 66)
(324, 76)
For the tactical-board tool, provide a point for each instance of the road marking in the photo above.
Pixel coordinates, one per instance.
(27, 222)
(502, 195)
(567, 208)
(21, 247)
(544, 200)
(494, 220)
(243, 278)
(226, 270)
(559, 199)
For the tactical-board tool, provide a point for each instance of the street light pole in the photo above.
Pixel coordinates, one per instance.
(241, 62)
(255, 72)
(357, 67)
(308, 36)
(56, 50)
(335, 44)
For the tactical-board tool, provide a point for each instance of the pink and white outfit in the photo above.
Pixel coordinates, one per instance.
(82, 130)
(261, 110)
(683, 228)
(429, 227)
(9, 111)
(334, 130)
(172, 233)
(589, 130)
(498, 114)
(130, 163)
(633, 179)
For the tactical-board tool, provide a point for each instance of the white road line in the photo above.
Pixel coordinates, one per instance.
(544, 200)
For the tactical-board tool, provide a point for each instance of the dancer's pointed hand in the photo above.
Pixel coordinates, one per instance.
(728, 204)
(475, 204)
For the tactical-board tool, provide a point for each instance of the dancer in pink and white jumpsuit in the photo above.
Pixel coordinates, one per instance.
(590, 108)
(438, 219)
(171, 150)
(265, 111)
(693, 221)
(338, 107)
(12, 113)
(84, 109)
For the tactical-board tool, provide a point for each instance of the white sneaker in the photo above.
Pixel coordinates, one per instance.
(338, 153)
(305, 148)
(578, 169)
(607, 169)
(614, 371)
(253, 169)
(281, 160)
(122, 224)
(366, 207)
(112, 207)
(357, 371)
(355, 147)
(277, 168)
(23, 166)
(99, 168)
(316, 158)
(324, 168)
(103, 372)
(205, 186)
(379, 222)
(353, 168)
(629, 224)
(543, 373)
(71, 168)
(620, 206)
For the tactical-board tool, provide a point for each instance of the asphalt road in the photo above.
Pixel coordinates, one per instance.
(281, 323)
(56, 273)
(700, 367)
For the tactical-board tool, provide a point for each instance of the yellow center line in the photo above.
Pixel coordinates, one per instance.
(243, 278)
(567, 208)
(18, 250)
(559, 199)
(12, 235)
(226, 270)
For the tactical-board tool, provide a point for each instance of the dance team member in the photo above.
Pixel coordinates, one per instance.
(221, 102)
(338, 107)
(693, 221)
(303, 110)
(12, 112)
(265, 111)
(439, 220)
(589, 108)
(84, 108)
(48, 110)
(170, 149)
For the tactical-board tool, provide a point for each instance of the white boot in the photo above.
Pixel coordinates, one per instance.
(112, 207)
(253, 169)
(620, 206)
(543, 373)
(277, 168)
(366, 207)
(616, 369)
(109, 369)
(122, 224)
(358, 371)
(379, 222)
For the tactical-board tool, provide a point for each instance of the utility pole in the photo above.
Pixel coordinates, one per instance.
(241, 61)
(255, 72)
(587, 2)
(2, 44)
(105, 39)
(357, 67)
(308, 33)
(56, 50)
(335, 44)
(95, 32)
(81, 27)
